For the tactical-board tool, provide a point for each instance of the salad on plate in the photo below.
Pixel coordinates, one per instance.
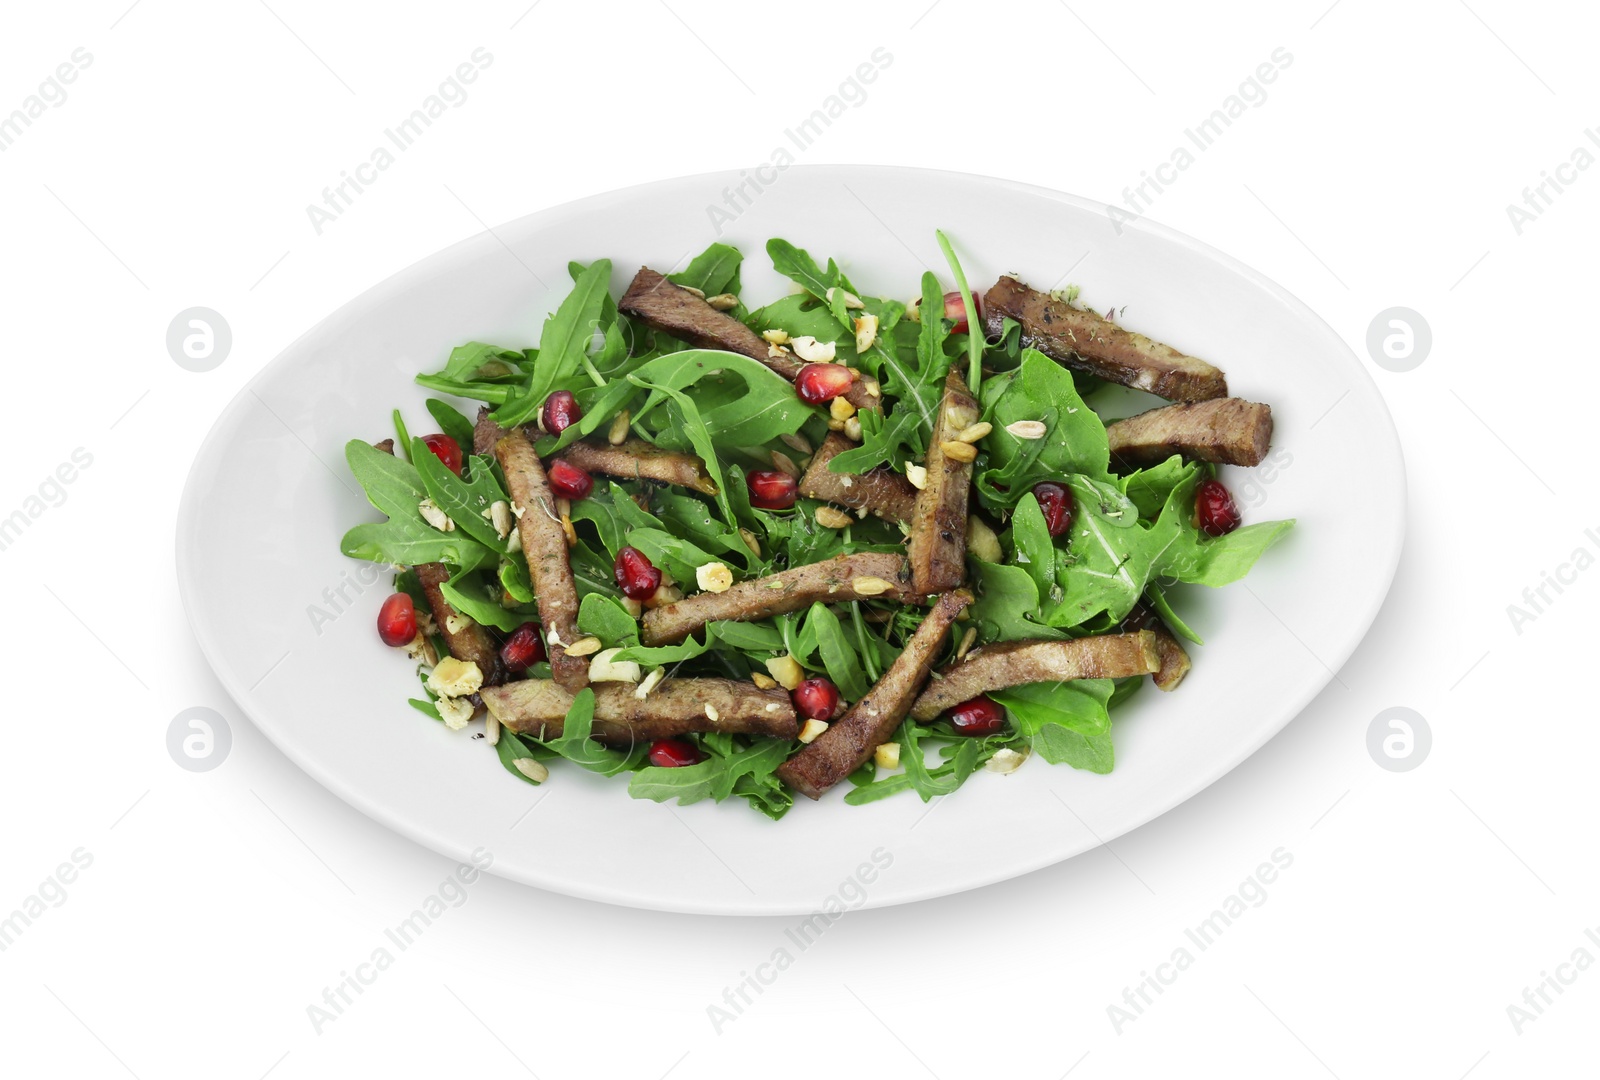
(835, 540)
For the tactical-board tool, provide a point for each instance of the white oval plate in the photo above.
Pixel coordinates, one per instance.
(269, 497)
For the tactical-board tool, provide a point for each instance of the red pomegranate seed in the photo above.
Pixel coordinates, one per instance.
(956, 311)
(446, 450)
(560, 412)
(818, 383)
(569, 481)
(772, 490)
(980, 716)
(523, 649)
(675, 753)
(815, 699)
(1056, 502)
(397, 620)
(636, 575)
(1214, 510)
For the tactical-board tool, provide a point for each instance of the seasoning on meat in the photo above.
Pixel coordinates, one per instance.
(938, 546)
(468, 641)
(636, 459)
(673, 707)
(1174, 660)
(1228, 431)
(1081, 339)
(1013, 663)
(882, 491)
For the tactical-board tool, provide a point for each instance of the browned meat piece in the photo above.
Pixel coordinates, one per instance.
(661, 305)
(1084, 340)
(1174, 660)
(872, 721)
(676, 706)
(638, 460)
(1229, 431)
(1012, 663)
(835, 580)
(939, 523)
(485, 433)
(882, 491)
(545, 545)
(468, 640)
(386, 446)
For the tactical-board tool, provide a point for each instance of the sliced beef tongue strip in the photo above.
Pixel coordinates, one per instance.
(544, 542)
(636, 459)
(872, 721)
(882, 491)
(1014, 663)
(468, 640)
(1083, 340)
(674, 707)
(1227, 431)
(938, 546)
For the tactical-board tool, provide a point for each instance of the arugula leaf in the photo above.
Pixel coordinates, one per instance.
(563, 344)
(974, 331)
(452, 423)
(606, 619)
(465, 593)
(674, 554)
(1224, 559)
(1068, 722)
(395, 487)
(1074, 441)
(1007, 607)
(715, 270)
(717, 777)
(576, 746)
(466, 361)
(750, 638)
(467, 502)
(1034, 549)
(402, 439)
(513, 747)
(840, 660)
(756, 404)
(1158, 600)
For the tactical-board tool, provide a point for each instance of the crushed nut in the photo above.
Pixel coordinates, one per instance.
(1027, 429)
(914, 311)
(491, 729)
(958, 451)
(1006, 760)
(763, 682)
(887, 756)
(691, 289)
(584, 646)
(786, 671)
(974, 432)
(514, 541)
(866, 332)
(867, 585)
(751, 542)
(840, 409)
(835, 425)
(812, 729)
(455, 622)
(619, 429)
(605, 667)
(813, 351)
(872, 387)
(777, 352)
(918, 475)
(982, 541)
(775, 336)
(723, 301)
(665, 594)
(532, 768)
(632, 607)
(714, 577)
(500, 517)
(852, 428)
(455, 712)
(784, 463)
(712, 714)
(958, 417)
(421, 649)
(435, 516)
(455, 678)
(651, 681)
(832, 518)
(966, 642)
(851, 300)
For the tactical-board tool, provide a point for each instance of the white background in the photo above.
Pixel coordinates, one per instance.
(218, 906)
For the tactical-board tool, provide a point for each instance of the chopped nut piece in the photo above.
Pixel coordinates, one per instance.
(835, 425)
(786, 670)
(455, 622)
(619, 429)
(751, 542)
(813, 351)
(532, 768)
(776, 336)
(866, 332)
(584, 646)
(435, 516)
(491, 729)
(959, 451)
(974, 432)
(1006, 760)
(914, 311)
(514, 541)
(966, 642)
(982, 541)
(605, 667)
(712, 714)
(851, 300)
(701, 293)
(632, 607)
(871, 386)
(852, 428)
(812, 730)
(723, 301)
(663, 596)
(777, 352)
(421, 649)
(499, 515)
(651, 681)
(784, 463)
(763, 682)
(918, 475)
(455, 678)
(714, 577)
(831, 518)
(455, 712)
(887, 756)
(798, 443)
(1027, 429)
(867, 585)
(840, 409)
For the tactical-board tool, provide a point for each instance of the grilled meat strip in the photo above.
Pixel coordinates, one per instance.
(485, 433)
(1083, 340)
(832, 580)
(882, 491)
(676, 706)
(469, 641)
(1174, 660)
(638, 460)
(545, 545)
(1012, 663)
(938, 546)
(1228, 431)
(672, 309)
(872, 721)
